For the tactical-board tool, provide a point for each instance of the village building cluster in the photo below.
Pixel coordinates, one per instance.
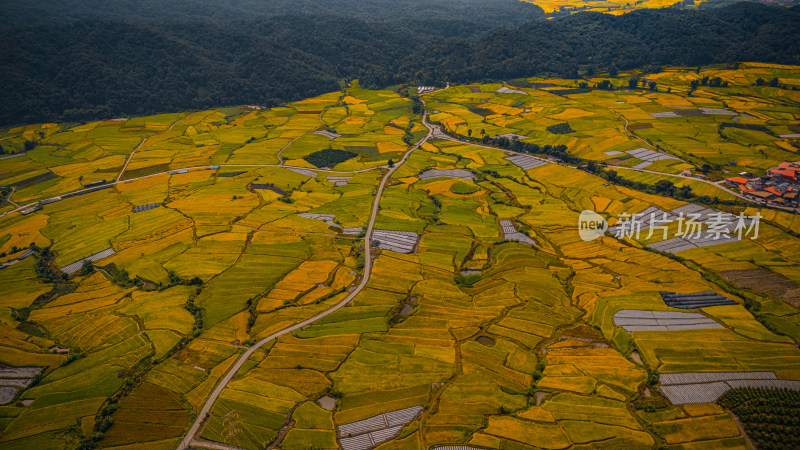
(777, 187)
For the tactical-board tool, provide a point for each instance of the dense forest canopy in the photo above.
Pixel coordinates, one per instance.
(490, 13)
(120, 60)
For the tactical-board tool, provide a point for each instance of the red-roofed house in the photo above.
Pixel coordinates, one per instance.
(786, 174)
(774, 191)
(733, 181)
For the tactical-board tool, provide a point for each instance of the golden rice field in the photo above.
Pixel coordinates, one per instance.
(604, 6)
(504, 344)
(599, 117)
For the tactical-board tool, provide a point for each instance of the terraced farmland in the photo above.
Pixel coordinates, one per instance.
(443, 300)
(670, 129)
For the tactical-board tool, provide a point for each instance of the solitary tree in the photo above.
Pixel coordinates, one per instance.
(87, 267)
(391, 163)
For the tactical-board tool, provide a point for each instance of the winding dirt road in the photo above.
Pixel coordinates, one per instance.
(127, 161)
(201, 416)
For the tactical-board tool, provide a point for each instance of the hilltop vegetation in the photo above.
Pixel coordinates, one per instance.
(475, 12)
(91, 69)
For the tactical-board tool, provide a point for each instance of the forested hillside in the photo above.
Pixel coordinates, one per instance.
(84, 67)
(741, 32)
(487, 12)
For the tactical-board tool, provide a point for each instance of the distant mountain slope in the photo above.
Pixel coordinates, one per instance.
(741, 32)
(489, 13)
(84, 69)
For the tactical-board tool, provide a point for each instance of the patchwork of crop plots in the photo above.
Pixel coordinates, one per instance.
(487, 321)
(475, 350)
(615, 7)
(742, 123)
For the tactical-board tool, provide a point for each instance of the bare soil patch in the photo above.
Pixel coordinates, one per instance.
(766, 282)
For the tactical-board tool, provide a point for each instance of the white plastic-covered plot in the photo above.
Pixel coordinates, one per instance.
(707, 387)
(506, 90)
(526, 162)
(718, 112)
(649, 155)
(695, 393)
(303, 171)
(138, 209)
(641, 320)
(396, 241)
(451, 173)
(363, 426)
(76, 266)
(507, 226)
(373, 431)
(338, 181)
(708, 377)
(651, 216)
(664, 114)
(510, 233)
(513, 136)
(360, 442)
(456, 447)
(327, 218)
(326, 133)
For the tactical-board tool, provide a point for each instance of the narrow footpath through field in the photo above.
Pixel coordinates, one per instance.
(127, 161)
(188, 440)
(13, 189)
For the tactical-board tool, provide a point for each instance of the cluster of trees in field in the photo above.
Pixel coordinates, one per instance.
(329, 157)
(771, 417)
(122, 61)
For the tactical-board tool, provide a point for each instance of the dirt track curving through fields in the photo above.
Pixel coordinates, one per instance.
(13, 189)
(127, 161)
(206, 409)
